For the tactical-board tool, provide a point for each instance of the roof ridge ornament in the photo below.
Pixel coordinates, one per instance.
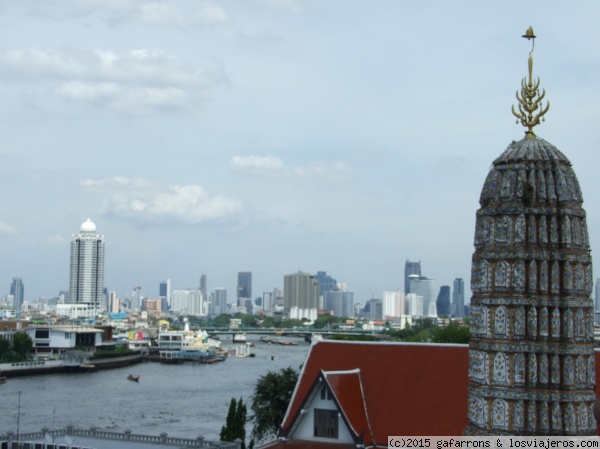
(530, 99)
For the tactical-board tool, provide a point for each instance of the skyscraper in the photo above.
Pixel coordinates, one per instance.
(458, 298)
(531, 355)
(301, 295)
(202, 287)
(425, 288)
(218, 304)
(164, 291)
(409, 269)
(17, 290)
(443, 301)
(86, 286)
(244, 286)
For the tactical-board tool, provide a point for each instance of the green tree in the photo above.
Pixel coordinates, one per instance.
(452, 333)
(21, 345)
(235, 423)
(4, 349)
(272, 394)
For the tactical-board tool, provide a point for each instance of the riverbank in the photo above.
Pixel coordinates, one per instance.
(38, 367)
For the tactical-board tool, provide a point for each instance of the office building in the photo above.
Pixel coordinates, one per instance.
(301, 295)
(394, 305)
(189, 302)
(326, 282)
(410, 268)
(268, 301)
(164, 291)
(202, 286)
(340, 303)
(218, 303)
(415, 305)
(86, 286)
(17, 290)
(244, 287)
(458, 298)
(375, 309)
(425, 287)
(113, 302)
(443, 301)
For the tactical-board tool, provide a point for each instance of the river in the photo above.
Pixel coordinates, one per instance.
(182, 400)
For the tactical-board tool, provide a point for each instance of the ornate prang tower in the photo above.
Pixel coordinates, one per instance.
(531, 356)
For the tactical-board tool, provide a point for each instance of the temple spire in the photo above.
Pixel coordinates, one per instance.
(530, 99)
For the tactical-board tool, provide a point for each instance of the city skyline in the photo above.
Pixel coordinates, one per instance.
(220, 137)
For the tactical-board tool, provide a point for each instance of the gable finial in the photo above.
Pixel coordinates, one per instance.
(530, 99)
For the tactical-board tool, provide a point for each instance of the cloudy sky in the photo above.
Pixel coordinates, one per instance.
(274, 135)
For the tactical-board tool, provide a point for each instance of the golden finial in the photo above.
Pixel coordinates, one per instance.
(530, 99)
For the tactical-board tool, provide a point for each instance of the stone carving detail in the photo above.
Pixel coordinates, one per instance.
(543, 368)
(566, 231)
(500, 368)
(591, 370)
(508, 183)
(570, 426)
(478, 320)
(556, 416)
(520, 321)
(544, 416)
(582, 418)
(532, 370)
(481, 276)
(520, 229)
(576, 226)
(555, 279)
(519, 276)
(532, 322)
(543, 229)
(502, 277)
(555, 322)
(478, 365)
(568, 324)
(500, 321)
(532, 284)
(555, 369)
(569, 371)
(567, 277)
(519, 415)
(579, 278)
(477, 410)
(544, 277)
(554, 230)
(580, 325)
(500, 414)
(532, 229)
(502, 230)
(588, 280)
(519, 370)
(543, 324)
(550, 186)
(581, 372)
(531, 417)
(541, 185)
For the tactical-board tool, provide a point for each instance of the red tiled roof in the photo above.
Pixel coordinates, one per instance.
(408, 389)
(347, 388)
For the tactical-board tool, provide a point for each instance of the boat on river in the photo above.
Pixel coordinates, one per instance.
(133, 378)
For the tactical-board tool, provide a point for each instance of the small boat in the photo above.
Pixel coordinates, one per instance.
(2, 379)
(133, 378)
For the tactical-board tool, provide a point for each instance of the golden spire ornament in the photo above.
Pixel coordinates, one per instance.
(530, 99)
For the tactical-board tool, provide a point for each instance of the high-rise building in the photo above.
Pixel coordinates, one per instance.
(113, 302)
(326, 282)
(17, 290)
(393, 304)
(340, 302)
(410, 268)
(301, 295)
(443, 301)
(244, 287)
(218, 303)
(425, 287)
(164, 292)
(375, 309)
(86, 286)
(202, 286)
(531, 355)
(458, 298)
(189, 302)
(268, 302)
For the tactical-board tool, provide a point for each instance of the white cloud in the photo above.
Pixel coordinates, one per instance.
(6, 229)
(291, 5)
(258, 165)
(115, 12)
(274, 166)
(148, 202)
(137, 81)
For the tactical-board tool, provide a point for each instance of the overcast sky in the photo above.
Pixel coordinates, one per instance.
(274, 136)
